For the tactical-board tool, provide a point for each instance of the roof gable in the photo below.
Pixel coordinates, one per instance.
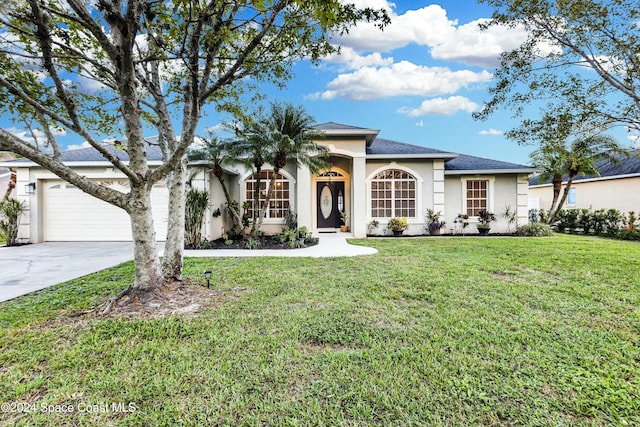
(388, 147)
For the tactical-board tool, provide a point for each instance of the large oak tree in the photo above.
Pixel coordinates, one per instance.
(581, 62)
(113, 68)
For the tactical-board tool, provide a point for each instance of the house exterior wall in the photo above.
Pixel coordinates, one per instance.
(423, 171)
(31, 225)
(622, 194)
(504, 190)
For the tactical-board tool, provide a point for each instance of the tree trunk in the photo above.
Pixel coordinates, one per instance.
(147, 264)
(235, 214)
(267, 200)
(174, 246)
(557, 187)
(256, 204)
(553, 214)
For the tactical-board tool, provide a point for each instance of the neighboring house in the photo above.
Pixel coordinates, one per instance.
(369, 177)
(617, 187)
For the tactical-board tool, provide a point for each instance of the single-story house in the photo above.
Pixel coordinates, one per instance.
(371, 178)
(617, 187)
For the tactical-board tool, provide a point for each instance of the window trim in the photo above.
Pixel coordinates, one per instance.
(418, 199)
(490, 193)
(292, 182)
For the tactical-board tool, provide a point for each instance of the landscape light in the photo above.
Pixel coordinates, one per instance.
(207, 275)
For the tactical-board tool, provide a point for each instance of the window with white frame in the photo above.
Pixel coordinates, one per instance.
(393, 194)
(279, 203)
(477, 196)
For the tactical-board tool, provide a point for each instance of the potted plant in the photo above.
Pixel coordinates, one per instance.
(344, 215)
(485, 218)
(433, 222)
(398, 225)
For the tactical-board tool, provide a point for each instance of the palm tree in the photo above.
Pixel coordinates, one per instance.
(557, 159)
(287, 137)
(218, 153)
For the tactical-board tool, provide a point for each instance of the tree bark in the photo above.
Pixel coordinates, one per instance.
(235, 214)
(267, 200)
(174, 245)
(147, 263)
(554, 213)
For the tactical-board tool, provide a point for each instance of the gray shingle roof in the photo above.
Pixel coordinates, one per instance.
(607, 168)
(382, 146)
(339, 126)
(472, 163)
(90, 154)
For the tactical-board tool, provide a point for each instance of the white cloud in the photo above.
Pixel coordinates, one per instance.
(635, 139)
(420, 124)
(36, 136)
(425, 26)
(491, 131)
(402, 78)
(441, 106)
(429, 26)
(85, 144)
(350, 59)
(469, 45)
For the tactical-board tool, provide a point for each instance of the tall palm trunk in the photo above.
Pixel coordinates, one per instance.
(267, 200)
(236, 219)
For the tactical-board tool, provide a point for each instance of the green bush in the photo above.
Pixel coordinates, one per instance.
(585, 221)
(628, 234)
(10, 212)
(196, 204)
(567, 220)
(534, 229)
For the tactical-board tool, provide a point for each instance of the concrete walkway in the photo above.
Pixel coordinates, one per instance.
(28, 268)
(329, 245)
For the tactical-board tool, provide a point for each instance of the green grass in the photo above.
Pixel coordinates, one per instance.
(453, 331)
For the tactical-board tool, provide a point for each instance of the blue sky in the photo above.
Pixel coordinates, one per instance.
(418, 81)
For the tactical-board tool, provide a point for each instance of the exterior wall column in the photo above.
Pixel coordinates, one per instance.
(303, 205)
(438, 186)
(523, 199)
(28, 230)
(359, 198)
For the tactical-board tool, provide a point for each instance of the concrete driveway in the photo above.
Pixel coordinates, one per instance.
(28, 268)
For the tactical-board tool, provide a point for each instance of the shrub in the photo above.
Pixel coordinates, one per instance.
(534, 229)
(196, 204)
(613, 221)
(567, 220)
(10, 212)
(628, 234)
(585, 221)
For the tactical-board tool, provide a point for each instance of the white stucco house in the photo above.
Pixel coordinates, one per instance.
(371, 178)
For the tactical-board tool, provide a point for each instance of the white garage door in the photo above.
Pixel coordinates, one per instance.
(72, 215)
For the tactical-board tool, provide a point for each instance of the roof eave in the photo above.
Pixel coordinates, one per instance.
(578, 181)
(489, 171)
(84, 163)
(443, 156)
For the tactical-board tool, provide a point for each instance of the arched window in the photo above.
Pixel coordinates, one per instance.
(393, 194)
(279, 203)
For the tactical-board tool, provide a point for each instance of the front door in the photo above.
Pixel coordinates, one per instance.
(330, 204)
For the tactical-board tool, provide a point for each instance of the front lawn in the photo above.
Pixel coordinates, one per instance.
(452, 331)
